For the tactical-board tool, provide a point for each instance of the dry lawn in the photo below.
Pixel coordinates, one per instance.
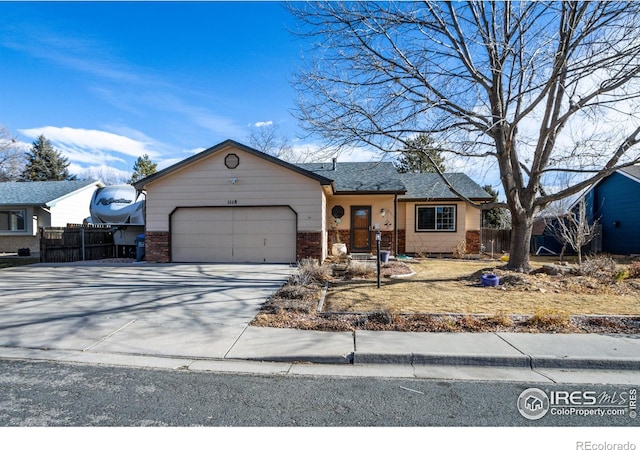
(450, 286)
(446, 295)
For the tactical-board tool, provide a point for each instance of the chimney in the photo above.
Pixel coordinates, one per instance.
(335, 163)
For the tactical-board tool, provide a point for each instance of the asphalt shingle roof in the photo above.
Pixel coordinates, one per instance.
(359, 176)
(431, 186)
(37, 193)
(634, 171)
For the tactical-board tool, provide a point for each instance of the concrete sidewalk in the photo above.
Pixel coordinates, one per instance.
(506, 356)
(520, 350)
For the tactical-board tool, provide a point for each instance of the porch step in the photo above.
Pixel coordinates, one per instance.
(361, 256)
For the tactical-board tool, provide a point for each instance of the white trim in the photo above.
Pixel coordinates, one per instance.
(593, 186)
(637, 180)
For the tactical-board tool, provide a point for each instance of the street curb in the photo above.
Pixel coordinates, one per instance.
(585, 363)
(524, 361)
(443, 360)
(304, 359)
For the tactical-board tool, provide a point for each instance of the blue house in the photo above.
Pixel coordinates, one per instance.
(615, 203)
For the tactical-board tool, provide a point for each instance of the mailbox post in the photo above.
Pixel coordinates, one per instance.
(378, 255)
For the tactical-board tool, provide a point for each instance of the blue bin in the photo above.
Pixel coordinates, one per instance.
(490, 279)
(140, 247)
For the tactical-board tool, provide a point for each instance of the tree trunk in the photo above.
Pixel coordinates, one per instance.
(520, 243)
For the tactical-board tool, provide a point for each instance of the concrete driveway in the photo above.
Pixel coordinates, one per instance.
(191, 310)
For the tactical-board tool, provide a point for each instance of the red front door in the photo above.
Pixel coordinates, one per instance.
(360, 228)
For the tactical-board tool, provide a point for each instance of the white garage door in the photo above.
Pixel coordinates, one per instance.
(234, 234)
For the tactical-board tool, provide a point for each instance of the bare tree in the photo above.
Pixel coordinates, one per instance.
(543, 89)
(267, 139)
(11, 157)
(574, 230)
(108, 175)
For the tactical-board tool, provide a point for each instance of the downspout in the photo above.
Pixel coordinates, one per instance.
(395, 224)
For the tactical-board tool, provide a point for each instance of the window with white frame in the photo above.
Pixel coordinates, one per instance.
(13, 220)
(435, 218)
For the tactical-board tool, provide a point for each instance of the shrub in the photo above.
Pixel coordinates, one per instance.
(500, 319)
(600, 266)
(361, 269)
(460, 250)
(296, 292)
(384, 317)
(549, 318)
(622, 275)
(634, 270)
(310, 272)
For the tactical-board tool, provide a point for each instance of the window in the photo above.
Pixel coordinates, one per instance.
(13, 220)
(435, 218)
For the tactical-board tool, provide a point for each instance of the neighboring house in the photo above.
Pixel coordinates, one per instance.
(232, 203)
(615, 203)
(27, 206)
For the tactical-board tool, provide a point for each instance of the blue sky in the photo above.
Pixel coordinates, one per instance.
(109, 81)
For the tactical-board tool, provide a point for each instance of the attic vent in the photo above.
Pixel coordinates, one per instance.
(335, 163)
(231, 161)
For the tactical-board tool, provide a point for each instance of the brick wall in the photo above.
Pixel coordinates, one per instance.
(386, 239)
(344, 237)
(309, 245)
(473, 242)
(402, 242)
(157, 246)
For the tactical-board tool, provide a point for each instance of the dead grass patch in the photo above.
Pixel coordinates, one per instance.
(449, 286)
(446, 295)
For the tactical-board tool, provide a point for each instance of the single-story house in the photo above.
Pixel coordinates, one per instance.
(615, 203)
(232, 203)
(27, 206)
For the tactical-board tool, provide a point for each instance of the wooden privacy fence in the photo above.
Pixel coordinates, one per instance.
(496, 241)
(76, 243)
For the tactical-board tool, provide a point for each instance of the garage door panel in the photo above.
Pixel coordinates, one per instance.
(202, 254)
(234, 234)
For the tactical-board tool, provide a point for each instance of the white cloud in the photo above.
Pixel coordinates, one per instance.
(268, 123)
(92, 140)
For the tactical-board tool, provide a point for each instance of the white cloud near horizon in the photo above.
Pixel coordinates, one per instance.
(79, 142)
(268, 123)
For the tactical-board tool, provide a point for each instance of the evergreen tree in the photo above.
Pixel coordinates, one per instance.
(420, 156)
(497, 218)
(44, 163)
(142, 168)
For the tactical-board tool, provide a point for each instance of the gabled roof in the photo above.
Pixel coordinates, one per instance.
(632, 172)
(429, 186)
(360, 177)
(39, 193)
(220, 147)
